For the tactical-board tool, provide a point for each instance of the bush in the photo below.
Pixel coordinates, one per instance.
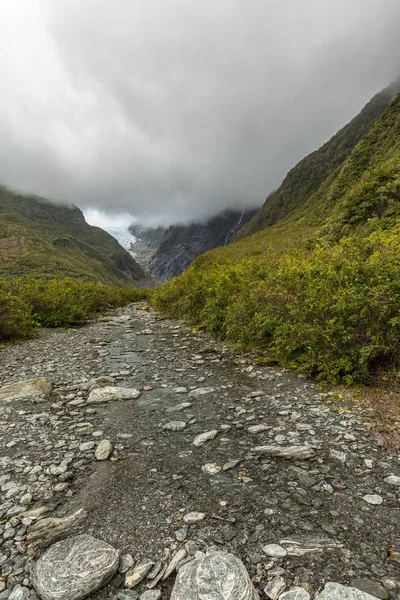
(330, 311)
(26, 303)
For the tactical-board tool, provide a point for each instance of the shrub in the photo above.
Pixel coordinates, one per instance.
(329, 311)
(25, 303)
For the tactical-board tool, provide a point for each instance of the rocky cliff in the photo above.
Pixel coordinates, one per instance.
(181, 244)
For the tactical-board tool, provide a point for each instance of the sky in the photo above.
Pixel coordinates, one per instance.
(172, 110)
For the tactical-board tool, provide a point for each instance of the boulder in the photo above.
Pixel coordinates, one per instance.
(213, 575)
(74, 568)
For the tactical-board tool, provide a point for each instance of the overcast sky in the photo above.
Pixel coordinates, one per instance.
(174, 109)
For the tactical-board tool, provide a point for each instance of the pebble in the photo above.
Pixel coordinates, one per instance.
(274, 551)
(104, 450)
(201, 439)
(373, 499)
(194, 517)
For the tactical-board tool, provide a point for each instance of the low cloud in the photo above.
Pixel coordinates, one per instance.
(172, 110)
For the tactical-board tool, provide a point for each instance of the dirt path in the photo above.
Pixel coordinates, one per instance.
(331, 509)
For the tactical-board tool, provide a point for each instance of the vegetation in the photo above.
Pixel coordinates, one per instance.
(47, 239)
(318, 291)
(26, 304)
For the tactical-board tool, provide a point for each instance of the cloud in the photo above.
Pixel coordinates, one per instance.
(171, 110)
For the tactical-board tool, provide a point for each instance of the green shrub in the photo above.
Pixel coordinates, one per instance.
(25, 303)
(329, 311)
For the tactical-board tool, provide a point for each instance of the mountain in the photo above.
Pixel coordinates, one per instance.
(310, 173)
(38, 237)
(317, 287)
(180, 244)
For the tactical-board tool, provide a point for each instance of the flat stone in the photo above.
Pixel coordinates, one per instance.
(74, 568)
(275, 588)
(132, 578)
(175, 562)
(258, 428)
(104, 450)
(151, 595)
(274, 551)
(213, 575)
(211, 468)
(204, 437)
(45, 532)
(392, 480)
(33, 389)
(373, 499)
(175, 426)
(194, 517)
(108, 393)
(335, 591)
(125, 563)
(296, 593)
(288, 452)
(19, 593)
(127, 595)
(299, 546)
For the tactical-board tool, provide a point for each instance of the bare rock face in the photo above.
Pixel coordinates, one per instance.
(34, 389)
(74, 568)
(215, 576)
(105, 394)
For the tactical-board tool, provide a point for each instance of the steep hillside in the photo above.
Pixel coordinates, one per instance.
(38, 237)
(180, 244)
(319, 290)
(311, 172)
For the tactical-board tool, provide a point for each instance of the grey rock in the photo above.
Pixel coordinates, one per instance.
(125, 563)
(288, 452)
(151, 595)
(108, 393)
(300, 546)
(275, 588)
(175, 562)
(19, 593)
(392, 480)
(204, 437)
(373, 499)
(258, 428)
(296, 593)
(274, 551)
(213, 575)
(339, 456)
(104, 450)
(132, 578)
(193, 517)
(211, 468)
(127, 595)
(181, 534)
(45, 532)
(74, 568)
(175, 426)
(335, 591)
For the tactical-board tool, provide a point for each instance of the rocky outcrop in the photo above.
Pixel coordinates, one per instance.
(181, 244)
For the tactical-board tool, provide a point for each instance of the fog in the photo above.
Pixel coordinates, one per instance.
(169, 110)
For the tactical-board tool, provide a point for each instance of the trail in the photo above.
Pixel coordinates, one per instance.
(319, 508)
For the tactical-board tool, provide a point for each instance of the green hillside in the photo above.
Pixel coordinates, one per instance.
(311, 172)
(40, 238)
(320, 289)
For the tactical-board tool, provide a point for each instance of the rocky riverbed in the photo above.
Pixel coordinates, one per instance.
(205, 451)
